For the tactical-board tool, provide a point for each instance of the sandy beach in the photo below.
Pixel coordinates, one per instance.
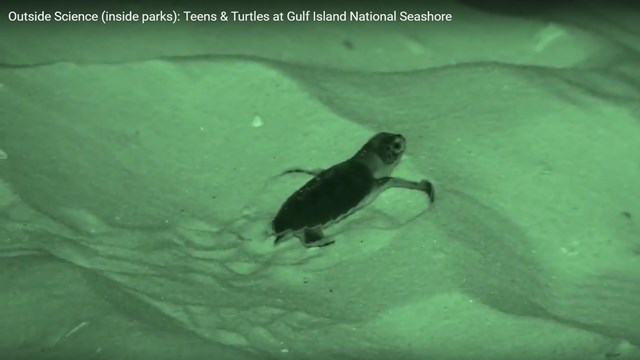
(138, 173)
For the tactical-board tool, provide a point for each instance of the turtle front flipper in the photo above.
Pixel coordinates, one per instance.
(393, 182)
(312, 172)
(315, 238)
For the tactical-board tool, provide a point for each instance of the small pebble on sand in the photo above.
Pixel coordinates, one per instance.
(257, 121)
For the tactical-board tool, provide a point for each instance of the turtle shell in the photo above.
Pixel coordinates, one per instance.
(328, 197)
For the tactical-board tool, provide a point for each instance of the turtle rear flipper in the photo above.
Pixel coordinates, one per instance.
(309, 237)
(315, 238)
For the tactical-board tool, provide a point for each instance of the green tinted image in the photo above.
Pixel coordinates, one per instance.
(429, 181)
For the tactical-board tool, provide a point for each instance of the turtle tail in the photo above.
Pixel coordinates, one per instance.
(278, 239)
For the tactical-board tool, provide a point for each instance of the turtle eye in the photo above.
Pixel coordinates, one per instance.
(397, 146)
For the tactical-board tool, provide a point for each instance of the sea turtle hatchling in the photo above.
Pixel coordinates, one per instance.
(339, 191)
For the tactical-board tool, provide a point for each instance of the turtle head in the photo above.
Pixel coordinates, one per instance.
(382, 153)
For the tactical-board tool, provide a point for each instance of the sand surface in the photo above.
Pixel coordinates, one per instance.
(138, 182)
